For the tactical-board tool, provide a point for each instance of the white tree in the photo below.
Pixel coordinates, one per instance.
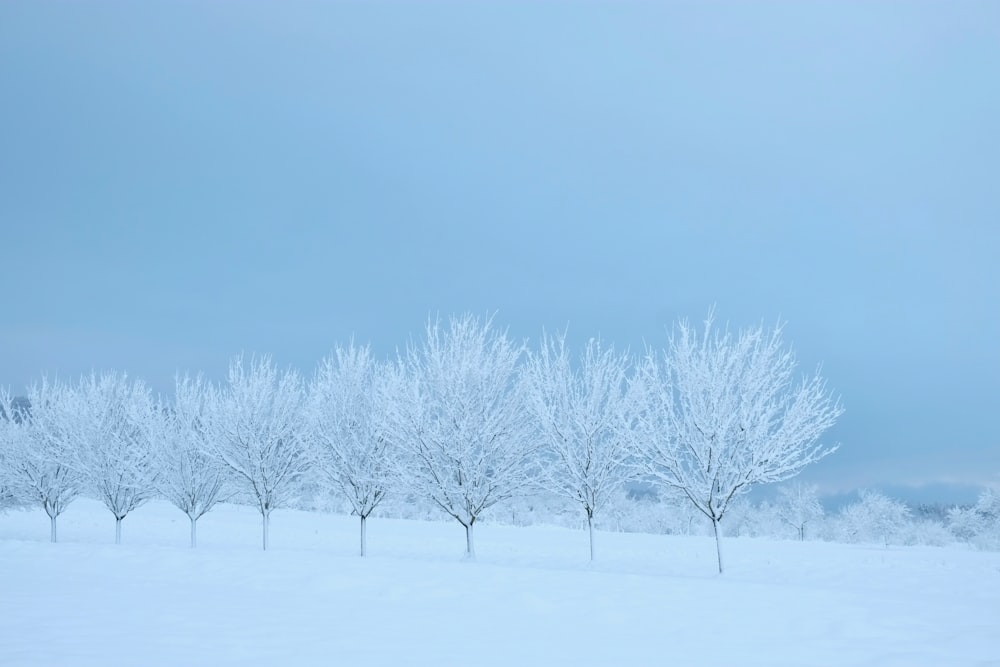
(744, 518)
(874, 517)
(723, 413)
(348, 429)
(981, 522)
(987, 511)
(189, 477)
(585, 415)
(7, 497)
(12, 435)
(257, 433)
(798, 505)
(38, 465)
(462, 428)
(963, 523)
(106, 439)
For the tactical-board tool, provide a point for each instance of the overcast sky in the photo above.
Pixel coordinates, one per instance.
(180, 182)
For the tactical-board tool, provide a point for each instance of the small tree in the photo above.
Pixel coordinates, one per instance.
(460, 425)
(347, 415)
(723, 413)
(189, 477)
(963, 523)
(748, 519)
(256, 426)
(980, 523)
(874, 517)
(987, 511)
(799, 505)
(584, 416)
(39, 469)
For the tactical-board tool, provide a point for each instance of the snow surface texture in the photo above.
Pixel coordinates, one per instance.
(531, 598)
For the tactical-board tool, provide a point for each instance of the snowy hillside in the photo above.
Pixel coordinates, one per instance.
(531, 598)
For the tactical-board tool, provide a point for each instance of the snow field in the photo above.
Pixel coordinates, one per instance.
(531, 597)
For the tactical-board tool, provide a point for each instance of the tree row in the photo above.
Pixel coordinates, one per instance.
(465, 418)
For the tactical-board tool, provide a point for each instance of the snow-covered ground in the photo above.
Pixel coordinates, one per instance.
(531, 598)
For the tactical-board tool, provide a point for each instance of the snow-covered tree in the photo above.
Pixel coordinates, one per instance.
(743, 518)
(11, 439)
(874, 517)
(99, 428)
(189, 477)
(257, 433)
(798, 505)
(963, 523)
(723, 413)
(987, 510)
(662, 512)
(347, 419)
(40, 470)
(980, 523)
(461, 426)
(110, 445)
(7, 497)
(926, 531)
(584, 414)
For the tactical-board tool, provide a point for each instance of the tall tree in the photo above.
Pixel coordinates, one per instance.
(189, 477)
(347, 416)
(724, 412)
(584, 414)
(257, 433)
(461, 426)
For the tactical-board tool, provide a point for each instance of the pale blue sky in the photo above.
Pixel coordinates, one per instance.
(183, 181)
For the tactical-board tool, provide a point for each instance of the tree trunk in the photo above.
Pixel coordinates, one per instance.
(470, 545)
(590, 529)
(118, 529)
(266, 520)
(52, 527)
(363, 517)
(194, 532)
(718, 542)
